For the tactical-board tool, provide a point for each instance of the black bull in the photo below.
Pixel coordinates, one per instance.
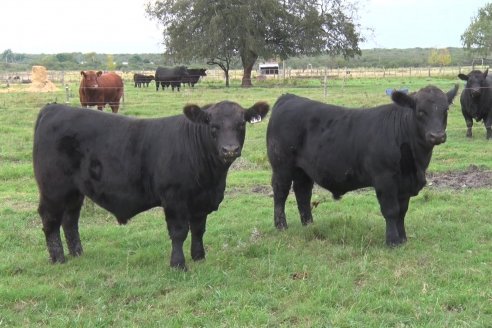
(476, 100)
(388, 147)
(129, 165)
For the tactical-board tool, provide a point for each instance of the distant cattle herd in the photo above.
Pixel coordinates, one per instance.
(170, 76)
(129, 165)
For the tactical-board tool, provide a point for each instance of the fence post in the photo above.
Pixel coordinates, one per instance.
(67, 94)
(283, 71)
(325, 84)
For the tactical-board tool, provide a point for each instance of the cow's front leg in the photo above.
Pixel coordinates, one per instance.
(469, 123)
(469, 127)
(390, 208)
(197, 227)
(177, 226)
(400, 225)
(488, 126)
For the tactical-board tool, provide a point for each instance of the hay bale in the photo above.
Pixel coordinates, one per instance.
(40, 82)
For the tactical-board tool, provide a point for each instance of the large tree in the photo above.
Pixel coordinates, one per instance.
(222, 30)
(8, 56)
(478, 35)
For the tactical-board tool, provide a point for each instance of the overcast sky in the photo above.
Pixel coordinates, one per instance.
(116, 26)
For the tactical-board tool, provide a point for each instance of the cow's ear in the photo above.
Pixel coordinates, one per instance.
(485, 73)
(99, 73)
(403, 99)
(257, 112)
(82, 73)
(196, 114)
(452, 93)
(463, 77)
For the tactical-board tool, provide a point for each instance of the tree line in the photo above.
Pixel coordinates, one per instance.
(388, 58)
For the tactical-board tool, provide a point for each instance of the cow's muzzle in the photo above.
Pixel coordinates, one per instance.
(475, 92)
(230, 153)
(436, 138)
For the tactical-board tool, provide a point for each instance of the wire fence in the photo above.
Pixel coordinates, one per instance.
(217, 75)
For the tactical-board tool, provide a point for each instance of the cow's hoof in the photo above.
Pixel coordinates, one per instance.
(307, 222)
(281, 226)
(395, 242)
(57, 260)
(182, 267)
(198, 257)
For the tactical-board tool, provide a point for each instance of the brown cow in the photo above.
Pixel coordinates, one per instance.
(98, 89)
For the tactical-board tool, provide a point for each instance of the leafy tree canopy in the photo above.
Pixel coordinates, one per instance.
(222, 30)
(439, 57)
(478, 36)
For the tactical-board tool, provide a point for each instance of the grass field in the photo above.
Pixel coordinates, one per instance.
(336, 272)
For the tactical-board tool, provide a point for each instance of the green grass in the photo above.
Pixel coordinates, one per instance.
(335, 273)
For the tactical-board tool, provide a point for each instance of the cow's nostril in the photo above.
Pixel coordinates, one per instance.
(437, 138)
(230, 150)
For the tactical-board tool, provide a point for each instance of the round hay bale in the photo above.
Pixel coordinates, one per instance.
(40, 82)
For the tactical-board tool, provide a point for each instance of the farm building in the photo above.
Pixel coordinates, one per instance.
(268, 69)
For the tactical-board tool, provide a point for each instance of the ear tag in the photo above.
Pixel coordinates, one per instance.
(255, 119)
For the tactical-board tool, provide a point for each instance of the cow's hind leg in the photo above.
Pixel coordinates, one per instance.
(177, 226)
(51, 213)
(281, 183)
(197, 227)
(303, 189)
(70, 224)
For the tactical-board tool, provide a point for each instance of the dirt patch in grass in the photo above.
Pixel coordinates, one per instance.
(472, 177)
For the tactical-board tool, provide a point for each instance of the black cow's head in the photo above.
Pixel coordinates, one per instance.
(475, 82)
(226, 122)
(89, 79)
(430, 106)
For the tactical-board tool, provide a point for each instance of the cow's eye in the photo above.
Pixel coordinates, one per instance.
(214, 129)
(420, 113)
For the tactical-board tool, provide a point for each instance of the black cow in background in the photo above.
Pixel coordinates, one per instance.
(170, 76)
(142, 80)
(476, 100)
(387, 147)
(128, 165)
(193, 76)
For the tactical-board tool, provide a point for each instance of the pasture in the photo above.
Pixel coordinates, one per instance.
(337, 272)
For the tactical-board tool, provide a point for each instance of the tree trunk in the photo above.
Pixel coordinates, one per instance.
(226, 73)
(246, 81)
(248, 59)
(224, 65)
